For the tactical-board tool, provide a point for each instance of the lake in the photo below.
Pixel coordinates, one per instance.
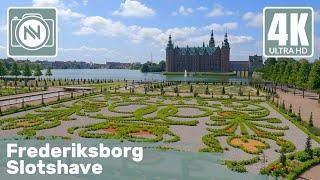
(137, 75)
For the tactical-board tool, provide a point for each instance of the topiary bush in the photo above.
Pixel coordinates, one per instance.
(302, 156)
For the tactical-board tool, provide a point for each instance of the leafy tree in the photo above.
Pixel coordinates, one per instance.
(145, 68)
(293, 79)
(314, 78)
(275, 73)
(15, 70)
(283, 159)
(207, 90)
(308, 146)
(153, 67)
(288, 73)
(37, 71)
(223, 91)
(191, 89)
(27, 70)
(270, 61)
(162, 65)
(3, 69)
(136, 66)
(48, 72)
(281, 74)
(303, 75)
(311, 120)
(268, 68)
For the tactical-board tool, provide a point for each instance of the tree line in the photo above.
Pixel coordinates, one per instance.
(289, 72)
(25, 70)
(153, 67)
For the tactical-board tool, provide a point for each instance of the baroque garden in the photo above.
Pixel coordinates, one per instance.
(255, 133)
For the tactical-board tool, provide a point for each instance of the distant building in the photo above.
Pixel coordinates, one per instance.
(255, 62)
(118, 65)
(56, 64)
(208, 58)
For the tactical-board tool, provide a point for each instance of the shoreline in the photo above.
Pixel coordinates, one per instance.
(201, 73)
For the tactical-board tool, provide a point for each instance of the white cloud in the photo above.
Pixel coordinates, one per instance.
(183, 11)
(202, 8)
(102, 26)
(68, 14)
(84, 31)
(221, 27)
(63, 11)
(2, 47)
(239, 39)
(198, 40)
(84, 49)
(43, 3)
(143, 33)
(253, 19)
(219, 10)
(131, 8)
(182, 32)
(98, 25)
(85, 2)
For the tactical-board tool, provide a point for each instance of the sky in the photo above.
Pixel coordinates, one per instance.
(134, 31)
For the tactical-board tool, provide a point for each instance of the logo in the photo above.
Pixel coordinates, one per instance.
(288, 32)
(32, 32)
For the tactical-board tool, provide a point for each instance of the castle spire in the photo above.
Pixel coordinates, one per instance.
(211, 42)
(170, 44)
(225, 41)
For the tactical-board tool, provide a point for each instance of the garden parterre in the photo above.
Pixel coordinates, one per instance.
(242, 129)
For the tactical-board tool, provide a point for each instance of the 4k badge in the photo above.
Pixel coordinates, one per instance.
(288, 32)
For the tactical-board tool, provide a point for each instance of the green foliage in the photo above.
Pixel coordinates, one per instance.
(303, 74)
(3, 69)
(316, 152)
(239, 166)
(308, 148)
(153, 67)
(245, 139)
(314, 76)
(27, 70)
(223, 91)
(283, 159)
(212, 143)
(48, 72)
(15, 70)
(37, 70)
(302, 168)
(310, 120)
(302, 156)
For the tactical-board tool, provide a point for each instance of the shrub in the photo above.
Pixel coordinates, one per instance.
(316, 152)
(302, 156)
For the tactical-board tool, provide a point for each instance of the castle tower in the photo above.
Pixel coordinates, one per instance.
(211, 42)
(225, 54)
(170, 56)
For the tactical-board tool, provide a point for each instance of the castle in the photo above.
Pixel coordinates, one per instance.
(210, 58)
